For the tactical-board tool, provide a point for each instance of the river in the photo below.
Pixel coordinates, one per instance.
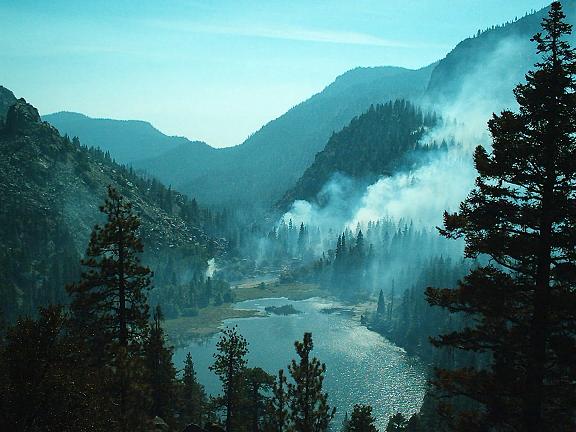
(362, 366)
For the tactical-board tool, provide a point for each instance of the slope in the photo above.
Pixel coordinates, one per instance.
(260, 170)
(127, 141)
(375, 143)
(51, 188)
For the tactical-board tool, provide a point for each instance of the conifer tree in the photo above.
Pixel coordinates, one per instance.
(109, 307)
(109, 303)
(397, 423)
(279, 404)
(161, 373)
(361, 419)
(309, 409)
(229, 364)
(256, 380)
(521, 215)
(381, 308)
(193, 395)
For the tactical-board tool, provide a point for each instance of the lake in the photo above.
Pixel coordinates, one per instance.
(362, 366)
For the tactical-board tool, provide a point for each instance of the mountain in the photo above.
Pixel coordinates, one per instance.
(51, 188)
(375, 143)
(486, 67)
(476, 76)
(127, 141)
(7, 99)
(259, 171)
(475, 79)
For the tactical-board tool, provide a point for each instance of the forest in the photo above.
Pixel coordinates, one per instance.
(102, 265)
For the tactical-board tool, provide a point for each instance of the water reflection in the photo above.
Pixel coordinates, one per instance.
(362, 366)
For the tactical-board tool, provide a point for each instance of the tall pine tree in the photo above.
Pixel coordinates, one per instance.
(229, 364)
(161, 373)
(309, 409)
(109, 307)
(522, 215)
(193, 397)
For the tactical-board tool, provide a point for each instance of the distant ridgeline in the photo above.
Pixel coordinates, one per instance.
(260, 171)
(382, 141)
(51, 188)
(257, 173)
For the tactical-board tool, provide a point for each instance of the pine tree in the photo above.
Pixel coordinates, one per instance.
(521, 215)
(193, 395)
(109, 308)
(256, 380)
(229, 364)
(309, 409)
(381, 308)
(360, 244)
(161, 373)
(397, 423)
(302, 239)
(361, 419)
(279, 404)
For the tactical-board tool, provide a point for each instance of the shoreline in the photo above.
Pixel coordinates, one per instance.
(209, 320)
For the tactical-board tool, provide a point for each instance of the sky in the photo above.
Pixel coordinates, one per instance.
(218, 70)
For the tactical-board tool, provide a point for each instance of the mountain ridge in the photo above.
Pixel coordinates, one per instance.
(127, 140)
(52, 187)
(259, 171)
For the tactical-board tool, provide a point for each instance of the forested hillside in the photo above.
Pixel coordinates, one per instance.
(259, 171)
(383, 140)
(51, 186)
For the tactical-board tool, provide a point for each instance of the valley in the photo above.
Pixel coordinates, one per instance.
(362, 366)
(394, 253)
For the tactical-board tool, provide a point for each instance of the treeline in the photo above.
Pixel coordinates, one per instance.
(385, 139)
(407, 319)
(49, 184)
(169, 200)
(381, 255)
(104, 363)
(185, 299)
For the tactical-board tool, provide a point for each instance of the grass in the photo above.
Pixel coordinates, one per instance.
(292, 291)
(206, 323)
(209, 320)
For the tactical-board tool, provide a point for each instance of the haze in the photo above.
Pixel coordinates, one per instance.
(217, 71)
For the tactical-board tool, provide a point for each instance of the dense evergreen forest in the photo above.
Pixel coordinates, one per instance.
(51, 186)
(381, 141)
(95, 257)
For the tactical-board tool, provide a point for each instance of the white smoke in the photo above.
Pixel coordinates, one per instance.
(340, 197)
(211, 269)
(420, 196)
(442, 181)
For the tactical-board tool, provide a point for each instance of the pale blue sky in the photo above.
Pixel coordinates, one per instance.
(217, 70)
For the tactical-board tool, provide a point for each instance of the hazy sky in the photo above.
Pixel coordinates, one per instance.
(218, 70)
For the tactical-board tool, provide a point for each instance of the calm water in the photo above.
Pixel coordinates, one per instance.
(362, 366)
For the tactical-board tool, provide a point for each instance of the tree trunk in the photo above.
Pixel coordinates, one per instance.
(536, 367)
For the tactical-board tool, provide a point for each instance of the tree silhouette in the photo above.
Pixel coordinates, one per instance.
(522, 216)
(309, 409)
(229, 364)
(361, 419)
(109, 308)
